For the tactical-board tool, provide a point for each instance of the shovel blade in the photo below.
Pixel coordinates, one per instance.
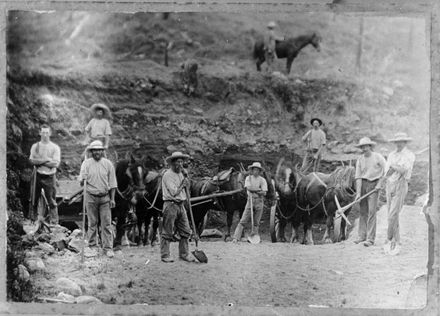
(200, 256)
(254, 239)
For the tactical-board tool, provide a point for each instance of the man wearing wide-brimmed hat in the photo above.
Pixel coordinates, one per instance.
(398, 173)
(99, 127)
(316, 141)
(370, 170)
(270, 44)
(174, 185)
(100, 177)
(256, 187)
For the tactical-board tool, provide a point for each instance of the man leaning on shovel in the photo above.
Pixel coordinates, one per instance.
(256, 187)
(174, 185)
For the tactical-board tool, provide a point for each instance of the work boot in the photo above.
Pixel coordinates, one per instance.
(358, 241)
(167, 259)
(234, 241)
(368, 243)
(188, 258)
(109, 253)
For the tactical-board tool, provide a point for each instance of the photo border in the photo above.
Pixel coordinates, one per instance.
(430, 10)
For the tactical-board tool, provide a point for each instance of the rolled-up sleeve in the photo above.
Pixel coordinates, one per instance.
(112, 183)
(358, 174)
(263, 185)
(57, 155)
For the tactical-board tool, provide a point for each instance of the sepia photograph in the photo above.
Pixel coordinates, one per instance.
(240, 159)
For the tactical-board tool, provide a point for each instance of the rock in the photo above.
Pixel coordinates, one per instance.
(172, 148)
(44, 237)
(86, 299)
(48, 249)
(389, 91)
(68, 286)
(198, 110)
(23, 273)
(35, 264)
(126, 112)
(66, 297)
(211, 233)
(59, 245)
(279, 75)
(75, 233)
(75, 244)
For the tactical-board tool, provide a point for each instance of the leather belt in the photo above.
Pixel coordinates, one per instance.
(175, 202)
(98, 195)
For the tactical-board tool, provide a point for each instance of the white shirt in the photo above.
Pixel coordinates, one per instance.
(403, 159)
(49, 151)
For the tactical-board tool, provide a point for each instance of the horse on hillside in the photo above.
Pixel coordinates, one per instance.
(131, 189)
(289, 48)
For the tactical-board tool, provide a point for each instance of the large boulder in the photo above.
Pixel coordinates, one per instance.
(23, 273)
(68, 286)
(35, 264)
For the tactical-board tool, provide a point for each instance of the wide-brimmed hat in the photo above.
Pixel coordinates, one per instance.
(271, 25)
(316, 119)
(255, 165)
(103, 107)
(176, 155)
(365, 141)
(96, 145)
(400, 137)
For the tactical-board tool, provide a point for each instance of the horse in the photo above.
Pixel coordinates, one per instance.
(310, 198)
(131, 189)
(150, 207)
(234, 180)
(289, 48)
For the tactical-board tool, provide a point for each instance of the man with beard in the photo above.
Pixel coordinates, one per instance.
(370, 170)
(174, 184)
(100, 177)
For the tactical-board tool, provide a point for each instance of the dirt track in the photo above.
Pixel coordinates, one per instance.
(338, 275)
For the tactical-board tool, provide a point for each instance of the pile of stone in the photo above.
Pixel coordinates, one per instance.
(71, 293)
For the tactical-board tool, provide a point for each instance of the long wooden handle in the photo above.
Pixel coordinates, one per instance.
(188, 198)
(214, 195)
(346, 207)
(84, 219)
(252, 211)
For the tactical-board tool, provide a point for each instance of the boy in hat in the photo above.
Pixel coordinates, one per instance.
(100, 196)
(256, 187)
(270, 43)
(174, 185)
(370, 169)
(45, 156)
(316, 141)
(99, 127)
(398, 171)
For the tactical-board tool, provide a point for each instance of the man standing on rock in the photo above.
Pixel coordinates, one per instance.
(174, 184)
(398, 173)
(370, 170)
(316, 141)
(45, 156)
(99, 127)
(256, 187)
(100, 177)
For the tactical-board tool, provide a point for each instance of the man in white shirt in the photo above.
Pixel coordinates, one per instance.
(398, 173)
(99, 126)
(256, 187)
(174, 185)
(45, 156)
(316, 141)
(370, 170)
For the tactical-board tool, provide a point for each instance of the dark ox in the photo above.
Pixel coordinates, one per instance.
(288, 48)
(131, 189)
(310, 199)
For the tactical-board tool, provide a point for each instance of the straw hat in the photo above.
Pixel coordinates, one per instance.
(176, 155)
(365, 141)
(316, 119)
(103, 107)
(255, 165)
(271, 25)
(400, 137)
(96, 145)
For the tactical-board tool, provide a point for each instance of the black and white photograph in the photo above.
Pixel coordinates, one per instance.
(238, 159)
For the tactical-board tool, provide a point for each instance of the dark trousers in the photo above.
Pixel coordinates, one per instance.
(47, 183)
(174, 216)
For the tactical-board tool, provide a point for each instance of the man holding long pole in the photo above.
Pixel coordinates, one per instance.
(398, 170)
(174, 185)
(370, 169)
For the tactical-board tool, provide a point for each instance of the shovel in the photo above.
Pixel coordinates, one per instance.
(341, 210)
(84, 210)
(252, 238)
(198, 254)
